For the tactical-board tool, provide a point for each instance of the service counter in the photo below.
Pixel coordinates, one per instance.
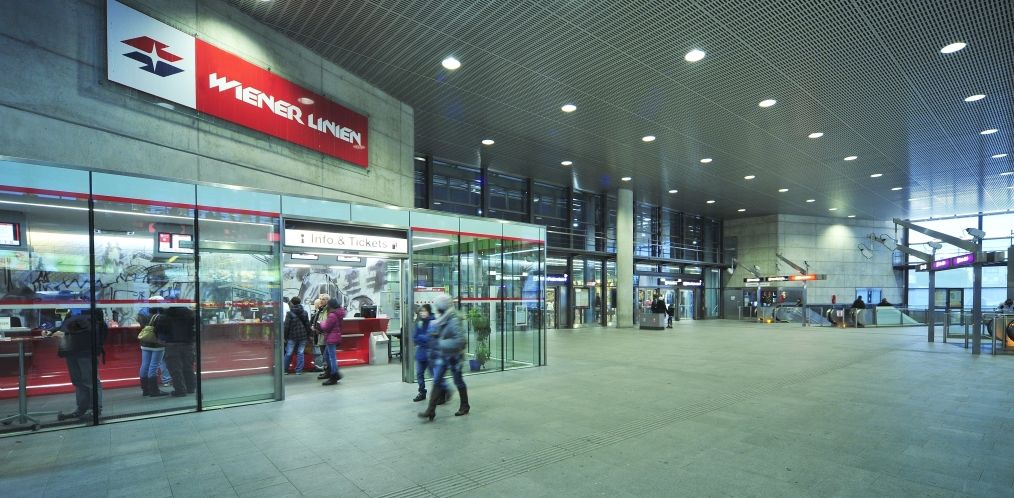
(355, 346)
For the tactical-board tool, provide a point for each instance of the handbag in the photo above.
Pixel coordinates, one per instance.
(148, 332)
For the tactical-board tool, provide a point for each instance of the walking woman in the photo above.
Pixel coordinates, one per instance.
(422, 353)
(332, 330)
(446, 344)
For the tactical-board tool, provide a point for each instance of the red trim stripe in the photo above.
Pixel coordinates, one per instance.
(100, 301)
(38, 191)
(237, 211)
(129, 200)
(470, 234)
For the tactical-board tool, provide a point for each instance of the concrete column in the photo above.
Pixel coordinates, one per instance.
(624, 258)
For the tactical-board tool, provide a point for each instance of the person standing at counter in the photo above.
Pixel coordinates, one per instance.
(446, 344)
(318, 339)
(152, 352)
(76, 347)
(332, 330)
(297, 328)
(422, 353)
(175, 328)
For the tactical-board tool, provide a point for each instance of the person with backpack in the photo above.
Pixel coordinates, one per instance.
(297, 329)
(152, 352)
(176, 329)
(80, 346)
(422, 354)
(332, 330)
(446, 344)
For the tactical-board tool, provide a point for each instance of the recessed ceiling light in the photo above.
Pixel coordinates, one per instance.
(711, 202)
(749, 177)
(815, 134)
(998, 156)
(767, 103)
(989, 131)
(811, 200)
(954, 47)
(569, 108)
(488, 141)
(673, 191)
(567, 163)
(305, 100)
(852, 216)
(741, 210)
(896, 188)
(876, 175)
(451, 63)
(706, 160)
(694, 55)
(649, 138)
(783, 190)
(973, 98)
(1007, 173)
(851, 158)
(626, 178)
(832, 209)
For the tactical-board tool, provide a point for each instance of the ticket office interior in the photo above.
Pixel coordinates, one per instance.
(149, 245)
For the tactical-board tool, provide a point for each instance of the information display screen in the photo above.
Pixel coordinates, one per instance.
(10, 234)
(175, 243)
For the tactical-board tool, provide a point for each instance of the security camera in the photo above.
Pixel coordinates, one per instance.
(756, 268)
(975, 232)
(730, 270)
(890, 244)
(935, 245)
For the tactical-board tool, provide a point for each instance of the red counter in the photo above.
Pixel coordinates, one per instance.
(355, 346)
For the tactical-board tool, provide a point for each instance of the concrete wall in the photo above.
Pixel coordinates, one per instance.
(56, 105)
(830, 245)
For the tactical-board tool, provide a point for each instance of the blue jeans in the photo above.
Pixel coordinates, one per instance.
(441, 365)
(150, 360)
(166, 378)
(298, 345)
(330, 353)
(421, 367)
(80, 370)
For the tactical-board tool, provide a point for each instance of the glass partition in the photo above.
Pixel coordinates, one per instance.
(522, 285)
(240, 294)
(45, 281)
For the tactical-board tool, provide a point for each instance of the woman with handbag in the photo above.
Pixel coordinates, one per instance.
(152, 352)
(332, 330)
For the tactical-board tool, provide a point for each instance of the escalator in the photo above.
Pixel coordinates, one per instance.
(796, 314)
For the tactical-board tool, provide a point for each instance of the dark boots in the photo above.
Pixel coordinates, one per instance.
(431, 410)
(153, 389)
(144, 386)
(421, 396)
(463, 408)
(332, 379)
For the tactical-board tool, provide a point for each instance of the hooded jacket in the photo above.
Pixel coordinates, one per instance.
(294, 327)
(445, 335)
(421, 338)
(332, 327)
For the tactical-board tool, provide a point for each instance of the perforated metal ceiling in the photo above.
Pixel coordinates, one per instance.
(867, 73)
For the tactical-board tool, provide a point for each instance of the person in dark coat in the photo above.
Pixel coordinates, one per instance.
(858, 304)
(81, 345)
(422, 354)
(671, 311)
(446, 344)
(176, 328)
(297, 329)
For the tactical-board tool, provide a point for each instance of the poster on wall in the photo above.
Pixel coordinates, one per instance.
(580, 297)
(155, 58)
(352, 287)
(520, 315)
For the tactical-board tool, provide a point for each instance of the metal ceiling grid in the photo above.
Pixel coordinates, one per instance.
(866, 73)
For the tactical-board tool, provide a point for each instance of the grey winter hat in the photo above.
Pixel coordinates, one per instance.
(333, 303)
(443, 302)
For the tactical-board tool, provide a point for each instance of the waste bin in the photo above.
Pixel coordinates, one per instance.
(378, 348)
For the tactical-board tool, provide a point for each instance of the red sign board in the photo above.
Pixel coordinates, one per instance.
(231, 88)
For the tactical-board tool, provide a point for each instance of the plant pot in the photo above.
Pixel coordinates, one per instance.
(474, 365)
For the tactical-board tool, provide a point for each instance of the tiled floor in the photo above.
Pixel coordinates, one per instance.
(706, 409)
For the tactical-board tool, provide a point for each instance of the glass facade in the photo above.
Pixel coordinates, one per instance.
(87, 259)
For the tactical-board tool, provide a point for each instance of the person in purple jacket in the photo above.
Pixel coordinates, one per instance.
(332, 330)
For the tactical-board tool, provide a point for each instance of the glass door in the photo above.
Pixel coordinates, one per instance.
(240, 294)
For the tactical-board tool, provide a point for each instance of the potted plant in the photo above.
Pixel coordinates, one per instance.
(480, 324)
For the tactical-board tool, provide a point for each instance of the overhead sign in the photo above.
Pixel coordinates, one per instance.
(344, 241)
(679, 282)
(557, 279)
(787, 278)
(991, 258)
(157, 59)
